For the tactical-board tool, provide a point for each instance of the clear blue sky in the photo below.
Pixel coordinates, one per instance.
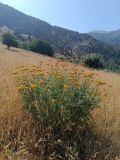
(78, 15)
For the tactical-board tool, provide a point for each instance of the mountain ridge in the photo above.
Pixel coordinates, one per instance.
(111, 37)
(64, 41)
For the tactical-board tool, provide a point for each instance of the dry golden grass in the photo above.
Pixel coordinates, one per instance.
(12, 117)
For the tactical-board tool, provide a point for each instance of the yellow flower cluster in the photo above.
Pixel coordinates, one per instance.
(99, 83)
(60, 70)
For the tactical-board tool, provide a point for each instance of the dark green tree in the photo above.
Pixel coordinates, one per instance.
(93, 60)
(42, 47)
(9, 40)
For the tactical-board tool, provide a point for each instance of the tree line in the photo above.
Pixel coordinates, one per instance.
(36, 45)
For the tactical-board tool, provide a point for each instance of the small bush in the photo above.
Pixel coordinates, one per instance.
(60, 57)
(25, 45)
(61, 105)
(93, 61)
(0, 38)
(111, 66)
(9, 40)
(42, 47)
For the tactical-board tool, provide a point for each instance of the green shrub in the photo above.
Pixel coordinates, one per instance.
(61, 105)
(60, 57)
(42, 47)
(93, 61)
(25, 45)
(111, 66)
(9, 40)
(0, 38)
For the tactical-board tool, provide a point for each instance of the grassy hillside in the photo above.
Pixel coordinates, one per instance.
(14, 121)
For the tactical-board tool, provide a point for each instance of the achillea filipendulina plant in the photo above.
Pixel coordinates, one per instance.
(61, 103)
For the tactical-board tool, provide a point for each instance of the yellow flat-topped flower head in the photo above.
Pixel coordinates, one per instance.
(66, 87)
(77, 85)
(33, 86)
(52, 101)
(100, 83)
(19, 88)
(42, 82)
(40, 73)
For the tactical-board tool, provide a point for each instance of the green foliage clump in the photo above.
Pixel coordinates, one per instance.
(93, 61)
(9, 40)
(60, 57)
(111, 66)
(61, 106)
(0, 38)
(25, 45)
(42, 47)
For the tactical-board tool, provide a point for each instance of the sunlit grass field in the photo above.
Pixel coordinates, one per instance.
(13, 119)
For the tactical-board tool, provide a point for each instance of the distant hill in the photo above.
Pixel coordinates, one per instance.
(107, 37)
(98, 31)
(64, 41)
